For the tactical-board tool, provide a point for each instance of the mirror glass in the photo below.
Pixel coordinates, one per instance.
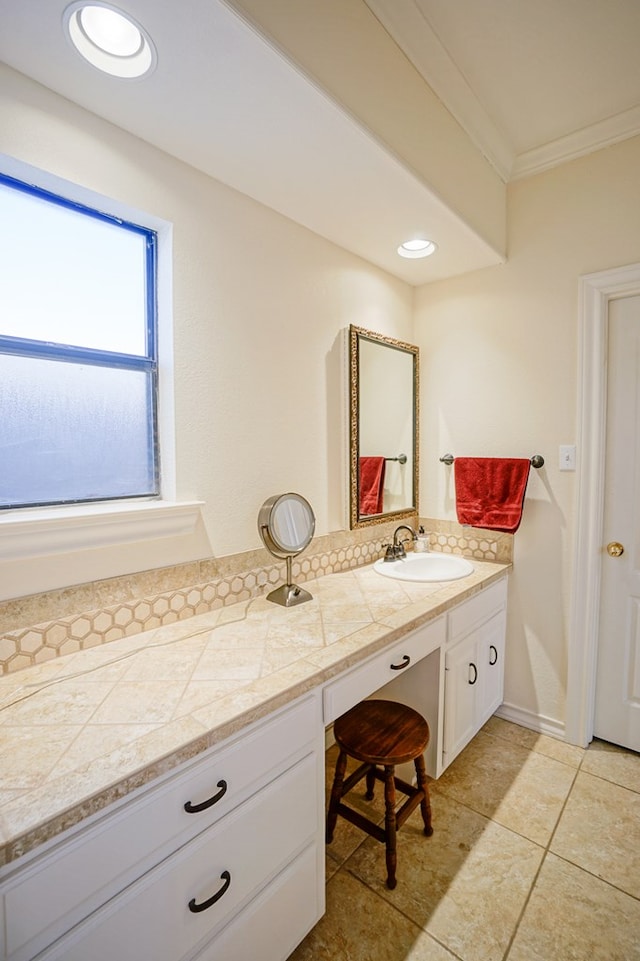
(292, 523)
(286, 524)
(383, 391)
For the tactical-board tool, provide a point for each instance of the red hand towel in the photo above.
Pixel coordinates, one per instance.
(490, 491)
(371, 484)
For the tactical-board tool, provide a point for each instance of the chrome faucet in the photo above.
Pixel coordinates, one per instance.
(396, 551)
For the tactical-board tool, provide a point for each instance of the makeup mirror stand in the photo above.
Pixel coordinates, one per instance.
(289, 594)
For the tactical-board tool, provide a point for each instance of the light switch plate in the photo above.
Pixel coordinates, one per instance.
(567, 457)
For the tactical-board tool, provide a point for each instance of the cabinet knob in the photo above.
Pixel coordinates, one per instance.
(473, 668)
(493, 654)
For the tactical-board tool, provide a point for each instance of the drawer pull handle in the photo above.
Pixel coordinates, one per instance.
(406, 661)
(493, 650)
(195, 907)
(475, 673)
(195, 808)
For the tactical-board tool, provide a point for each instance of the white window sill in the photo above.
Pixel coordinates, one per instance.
(37, 533)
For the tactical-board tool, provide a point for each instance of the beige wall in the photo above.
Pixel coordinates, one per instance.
(259, 304)
(499, 377)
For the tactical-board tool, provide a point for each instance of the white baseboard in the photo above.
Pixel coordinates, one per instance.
(535, 722)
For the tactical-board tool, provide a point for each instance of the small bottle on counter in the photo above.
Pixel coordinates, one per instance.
(422, 541)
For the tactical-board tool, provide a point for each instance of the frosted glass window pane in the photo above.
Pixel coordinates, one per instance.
(70, 278)
(73, 432)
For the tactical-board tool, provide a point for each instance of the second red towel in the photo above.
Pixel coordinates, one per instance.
(371, 484)
(490, 491)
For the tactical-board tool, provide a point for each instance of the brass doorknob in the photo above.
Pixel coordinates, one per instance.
(614, 549)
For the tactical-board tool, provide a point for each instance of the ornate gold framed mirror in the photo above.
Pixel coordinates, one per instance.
(383, 428)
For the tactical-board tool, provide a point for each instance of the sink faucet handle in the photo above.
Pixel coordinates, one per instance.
(398, 542)
(389, 554)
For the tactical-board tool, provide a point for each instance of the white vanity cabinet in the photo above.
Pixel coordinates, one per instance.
(152, 879)
(222, 858)
(474, 666)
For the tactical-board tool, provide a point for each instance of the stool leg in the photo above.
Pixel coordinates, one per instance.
(336, 795)
(423, 785)
(390, 824)
(371, 780)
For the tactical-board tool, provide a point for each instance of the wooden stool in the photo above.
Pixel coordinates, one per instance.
(381, 733)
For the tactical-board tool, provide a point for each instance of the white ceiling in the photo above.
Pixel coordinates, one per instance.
(532, 83)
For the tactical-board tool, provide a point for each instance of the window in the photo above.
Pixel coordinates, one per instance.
(78, 358)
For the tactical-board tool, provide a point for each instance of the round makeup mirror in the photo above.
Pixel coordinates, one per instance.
(286, 524)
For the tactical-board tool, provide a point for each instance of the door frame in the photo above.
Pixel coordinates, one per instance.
(596, 291)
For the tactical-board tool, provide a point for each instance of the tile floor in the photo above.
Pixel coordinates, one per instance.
(535, 856)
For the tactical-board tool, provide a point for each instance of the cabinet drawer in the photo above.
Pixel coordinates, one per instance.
(57, 890)
(237, 856)
(374, 673)
(469, 614)
(277, 920)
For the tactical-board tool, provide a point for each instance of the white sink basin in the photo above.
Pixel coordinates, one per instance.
(425, 567)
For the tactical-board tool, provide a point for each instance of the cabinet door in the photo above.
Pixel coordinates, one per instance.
(277, 920)
(190, 895)
(52, 893)
(462, 686)
(491, 657)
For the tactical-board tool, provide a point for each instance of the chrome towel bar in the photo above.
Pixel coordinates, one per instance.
(401, 458)
(536, 461)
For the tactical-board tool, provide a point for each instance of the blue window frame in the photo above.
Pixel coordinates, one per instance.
(78, 352)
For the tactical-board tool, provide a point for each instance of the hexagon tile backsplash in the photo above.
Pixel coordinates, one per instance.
(43, 626)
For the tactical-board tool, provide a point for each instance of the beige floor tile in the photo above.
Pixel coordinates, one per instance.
(331, 866)
(614, 764)
(540, 743)
(520, 789)
(573, 916)
(600, 831)
(466, 885)
(360, 926)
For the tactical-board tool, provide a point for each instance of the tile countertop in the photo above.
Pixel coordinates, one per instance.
(82, 731)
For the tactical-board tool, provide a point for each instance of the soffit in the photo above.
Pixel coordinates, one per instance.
(226, 101)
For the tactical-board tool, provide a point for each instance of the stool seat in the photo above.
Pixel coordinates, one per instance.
(381, 734)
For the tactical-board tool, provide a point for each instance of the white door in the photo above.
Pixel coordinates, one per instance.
(617, 702)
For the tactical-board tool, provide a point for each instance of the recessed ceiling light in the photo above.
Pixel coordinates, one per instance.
(417, 248)
(109, 39)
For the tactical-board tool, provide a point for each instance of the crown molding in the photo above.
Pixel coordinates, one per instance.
(406, 23)
(578, 144)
